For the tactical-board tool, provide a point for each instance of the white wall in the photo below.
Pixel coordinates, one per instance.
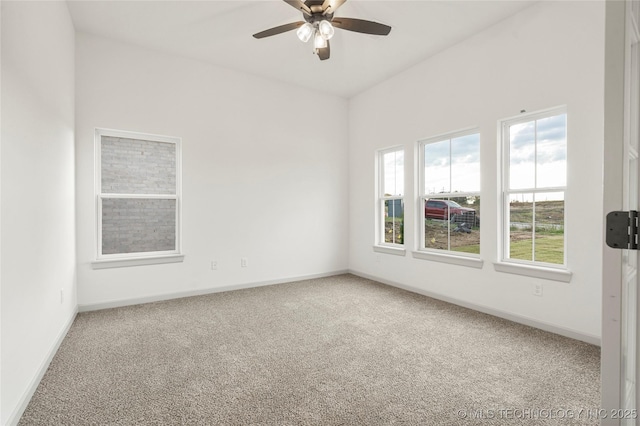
(264, 170)
(37, 187)
(548, 55)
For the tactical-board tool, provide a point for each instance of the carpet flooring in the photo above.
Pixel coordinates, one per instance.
(333, 351)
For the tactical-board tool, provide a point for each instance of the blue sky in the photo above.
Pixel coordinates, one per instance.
(537, 158)
(538, 153)
(393, 163)
(452, 165)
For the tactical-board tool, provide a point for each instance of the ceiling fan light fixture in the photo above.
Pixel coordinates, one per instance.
(319, 17)
(319, 42)
(326, 29)
(305, 32)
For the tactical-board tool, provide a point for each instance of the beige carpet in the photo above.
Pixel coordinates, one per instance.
(333, 351)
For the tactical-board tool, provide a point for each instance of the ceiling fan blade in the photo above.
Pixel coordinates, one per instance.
(278, 30)
(330, 6)
(361, 26)
(324, 52)
(300, 6)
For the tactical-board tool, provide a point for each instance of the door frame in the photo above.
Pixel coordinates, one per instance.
(614, 168)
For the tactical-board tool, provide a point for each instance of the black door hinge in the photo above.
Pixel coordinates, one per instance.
(622, 230)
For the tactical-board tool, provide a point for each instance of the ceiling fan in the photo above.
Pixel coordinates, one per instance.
(320, 24)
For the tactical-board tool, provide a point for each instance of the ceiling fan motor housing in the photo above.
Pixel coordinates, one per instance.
(317, 17)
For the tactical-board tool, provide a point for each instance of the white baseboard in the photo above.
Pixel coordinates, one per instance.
(552, 328)
(200, 292)
(14, 418)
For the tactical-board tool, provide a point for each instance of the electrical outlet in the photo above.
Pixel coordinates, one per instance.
(61, 295)
(244, 262)
(214, 265)
(537, 290)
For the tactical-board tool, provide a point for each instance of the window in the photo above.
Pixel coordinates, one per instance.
(138, 195)
(449, 185)
(391, 197)
(534, 186)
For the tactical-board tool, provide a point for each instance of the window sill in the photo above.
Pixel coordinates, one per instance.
(471, 262)
(390, 250)
(136, 261)
(534, 271)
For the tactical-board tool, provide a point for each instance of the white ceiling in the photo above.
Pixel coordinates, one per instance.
(220, 32)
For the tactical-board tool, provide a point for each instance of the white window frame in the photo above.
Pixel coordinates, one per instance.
(533, 268)
(140, 258)
(380, 245)
(422, 252)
